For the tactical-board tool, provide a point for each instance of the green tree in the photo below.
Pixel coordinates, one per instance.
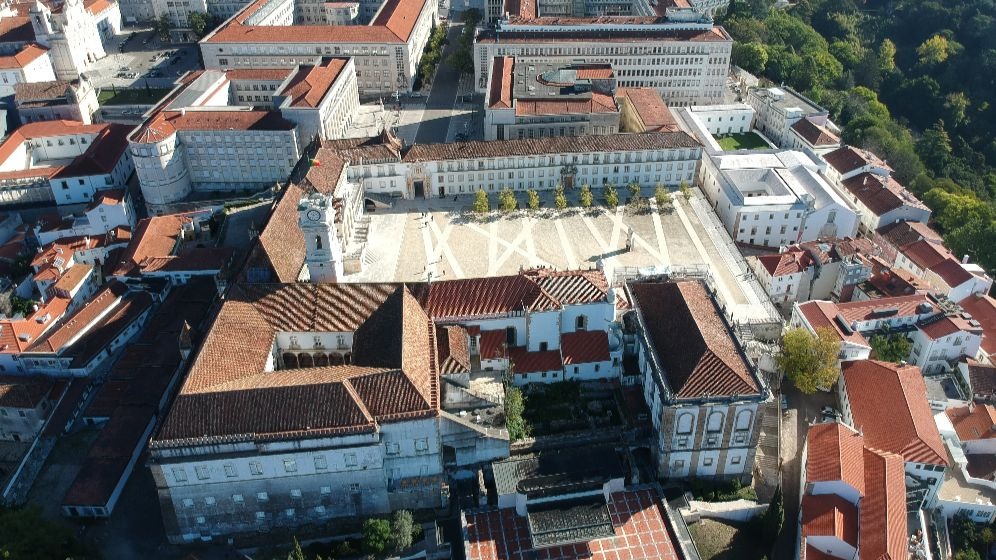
(611, 196)
(663, 198)
(810, 361)
(559, 199)
(402, 529)
(24, 533)
(163, 26)
(296, 553)
(891, 348)
(774, 517)
(976, 238)
(956, 106)
(201, 24)
(461, 60)
(376, 535)
(634, 194)
(934, 50)
(506, 198)
(19, 305)
(515, 406)
(752, 57)
(585, 198)
(532, 199)
(934, 147)
(685, 190)
(887, 56)
(481, 203)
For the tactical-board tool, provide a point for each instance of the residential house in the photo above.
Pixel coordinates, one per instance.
(26, 404)
(969, 487)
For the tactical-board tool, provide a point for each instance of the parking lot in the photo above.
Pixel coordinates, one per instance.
(143, 61)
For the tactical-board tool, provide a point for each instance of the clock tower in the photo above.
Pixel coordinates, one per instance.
(323, 250)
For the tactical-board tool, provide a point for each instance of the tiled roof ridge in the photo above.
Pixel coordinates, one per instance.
(351, 391)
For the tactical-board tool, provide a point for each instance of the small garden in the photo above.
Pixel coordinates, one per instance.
(381, 538)
(752, 539)
(508, 201)
(742, 141)
(430, 58)
(566, 406)
(133, 96)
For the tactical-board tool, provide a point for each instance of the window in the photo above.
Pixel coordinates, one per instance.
(260, 516)
(296, 493)
(230, 471)
(289, 512)
(262, 497)
(735, 460)
(707, 462)
(255, 467)
(238, 498)
(320, 463)
(320, 510)
(544, 346)
(421, 444)
(188, 502)
(202, 472)
(350, 459)
(326, 490)
(581, 323)
(209, 501)
(715, 423)
(290, 465)
(685, 422)
(200, 520)
(393, 448)
(679, 464)
(179, 474)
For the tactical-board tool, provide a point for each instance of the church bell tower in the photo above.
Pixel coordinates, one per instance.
(323, 250)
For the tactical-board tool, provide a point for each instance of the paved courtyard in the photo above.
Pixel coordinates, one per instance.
(449, 241)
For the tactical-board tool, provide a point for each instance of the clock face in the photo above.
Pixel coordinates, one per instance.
(314, 215)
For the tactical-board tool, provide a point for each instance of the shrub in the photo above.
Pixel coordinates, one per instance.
(559, 199)
(515, 405)
(662, 197)
(481, 203)
(611, 196)
(533, 199)
(403, 529)
(506, 198)
(376, 535)
(586, 197)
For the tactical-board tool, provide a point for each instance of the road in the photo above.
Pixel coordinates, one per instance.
(439, 105)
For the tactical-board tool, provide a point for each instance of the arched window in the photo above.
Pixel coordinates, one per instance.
(290, 360)
(581, 323)
(321, 359)
(306, 360)
(318, 242)
(744, 418)
(685, 423)
(715, 423)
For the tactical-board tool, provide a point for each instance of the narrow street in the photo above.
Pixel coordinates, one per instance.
(442, 97)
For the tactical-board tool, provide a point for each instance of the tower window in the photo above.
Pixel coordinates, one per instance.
(318, 242)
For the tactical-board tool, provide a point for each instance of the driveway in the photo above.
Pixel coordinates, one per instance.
(439, 105)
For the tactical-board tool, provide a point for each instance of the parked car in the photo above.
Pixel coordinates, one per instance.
(785, 402)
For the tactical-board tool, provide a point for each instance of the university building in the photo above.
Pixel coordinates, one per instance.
(282, 34)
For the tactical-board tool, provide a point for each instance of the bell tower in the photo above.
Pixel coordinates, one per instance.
(323, 250)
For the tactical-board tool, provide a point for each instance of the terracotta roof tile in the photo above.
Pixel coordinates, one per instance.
(650, 107)
(883, 510)
(500, 92)
(25, 392)
(154, 237)
(881, 194)
(452, 347)
(835, 453)
(903, 233)
(70, 329)
(165, 123)
(16, 335)
(982, 378)
(784, 264)
(815, 134)
(899, 306)
(848, 158)
(34, 91)
(277, 255)
(16, 29)
(973, 422)
(698, 352)
(633, 34)
(525, 361)
(309, 84)
(983, 309)
(584, 347)
(598, 103)
(889, 406)
(831, 516)
(493, 344)
(925, 254)
(28, 54)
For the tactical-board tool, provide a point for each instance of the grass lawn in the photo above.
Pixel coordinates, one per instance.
(137, 96)
(743, 141)
(724, 541)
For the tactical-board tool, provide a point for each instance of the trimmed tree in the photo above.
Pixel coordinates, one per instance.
(296, 552)
(634, 194)
(774, 517)
(402, 529)
(685, 190)
(506, 198)
(376, 536)
(532, 199)
(515, 406)
(481, 203)
(585, 198)
(559, 199)
(662, 198)
(611, 196)
(810, 361)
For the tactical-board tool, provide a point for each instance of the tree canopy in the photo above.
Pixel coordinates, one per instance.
(810, 361)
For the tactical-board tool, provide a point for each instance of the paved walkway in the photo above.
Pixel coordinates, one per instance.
(441, 239)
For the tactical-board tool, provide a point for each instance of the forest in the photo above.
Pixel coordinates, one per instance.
(911, 80)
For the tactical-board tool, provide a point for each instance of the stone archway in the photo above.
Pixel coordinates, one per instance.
(290, 360)
(306, 360)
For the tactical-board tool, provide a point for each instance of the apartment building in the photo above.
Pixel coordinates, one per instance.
(772, 198)
(243, 129)
(932, 261)
(56, 100)
(806, 134)
(267, 34)
(687, 62)
(703, 393)
(25, 405)
(537, 98)
(63, 162)
(28, 63)
(111, 212)
(968, 487)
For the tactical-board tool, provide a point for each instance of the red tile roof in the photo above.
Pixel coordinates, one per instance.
(835, 453)
(71, 328)
(309, 85)
(881, 194)
(28, 54)
(947, 326)
(848, 158)
(983, 309)
(524, 361)
(883, 510)
(884, 308)
(651, 109)
(26, 392)
(698, 352)
(154, 237)
(638, 520)
(585, 347)
(925, 254)
(16, 29)
(889, 406)
(452, 347)
(973, 422)
(952, 272)
(277, 255)
(16, 335)
(792, 261)
(97, 7)
(500, 96)
(634, 34)
(815, 134)
(598, 103)
(982, 378)
(165, 123)
(493, 344)
(394, 24)
(829, 515)
(53, 129)
(533, 290)
(903, 233)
